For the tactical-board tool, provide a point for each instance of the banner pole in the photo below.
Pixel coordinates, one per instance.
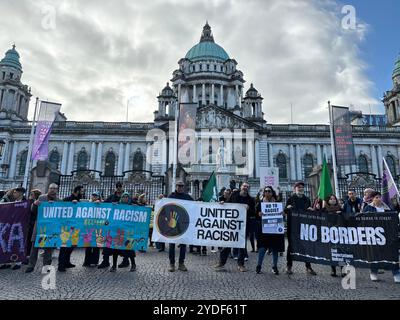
(333, 146)
(29, 156)
(175, 162)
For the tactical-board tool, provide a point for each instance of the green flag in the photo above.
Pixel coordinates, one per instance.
(210, 192)
(325, 186)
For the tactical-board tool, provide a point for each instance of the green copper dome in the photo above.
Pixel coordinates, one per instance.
(396, 72)
(11, 59)
(207, 48)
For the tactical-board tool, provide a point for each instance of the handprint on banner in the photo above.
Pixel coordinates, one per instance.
(75, 237)
(87, 238)
(129, 240)
(43, 238)
(173, 219)
(109, 239)
(119, 238)
(99, 238)
(64, 236)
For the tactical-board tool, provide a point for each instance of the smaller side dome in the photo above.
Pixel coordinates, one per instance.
(11, 59)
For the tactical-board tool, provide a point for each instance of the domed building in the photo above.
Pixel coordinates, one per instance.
(232, 136)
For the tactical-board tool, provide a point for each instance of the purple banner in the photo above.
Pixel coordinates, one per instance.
(14, 221)
(343, 132)
(389, 188)
(47, 115)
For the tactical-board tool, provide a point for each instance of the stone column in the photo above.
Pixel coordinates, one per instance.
(99, 158)
(127, 157)
(292, 163)
(374, 161)
(13, 160)
(203, 98)
(164, 156)
(380, 160)
(71, 155)
(250, 158)
(298, 163)
(319, 157)
(212, 100)
(179, 94)
(221, 98)
(120, 159)
(149, 154)
(237, 94)
(257, 157)
(271, 154)
(194, 94)
(325, 152)
(92, 164)
(64, 159)
(200, 150)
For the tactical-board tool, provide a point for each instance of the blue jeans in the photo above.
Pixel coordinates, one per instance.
(261, 255)
(395, 270)
(182, 253)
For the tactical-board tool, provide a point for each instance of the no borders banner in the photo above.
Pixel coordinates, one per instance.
(199, 223)
(85, 225)
(323, 238)
(14, 220)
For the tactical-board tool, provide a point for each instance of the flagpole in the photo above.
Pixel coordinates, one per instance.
(29, 156)
(335, 177)
(174, 165)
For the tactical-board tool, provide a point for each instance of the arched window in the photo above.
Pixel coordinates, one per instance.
(54, 159)
(138, 160)
(308, 165)
(22, 163)
(82, 160)
(281, 163)
(110, 164)
(391, 162)
(362, 163)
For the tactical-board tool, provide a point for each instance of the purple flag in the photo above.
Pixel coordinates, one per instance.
(47, 115)
(389, 188)
(14, 220)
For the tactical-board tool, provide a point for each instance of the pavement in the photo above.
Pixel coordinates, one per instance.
(152, 281)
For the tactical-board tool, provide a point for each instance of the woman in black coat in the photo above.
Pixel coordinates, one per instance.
(273, 242)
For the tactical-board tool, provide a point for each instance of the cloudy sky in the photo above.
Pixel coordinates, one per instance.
(94, 55)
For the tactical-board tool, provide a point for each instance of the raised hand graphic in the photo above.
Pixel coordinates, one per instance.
(172, 219)
(99, 238)
(109, 239)
(119, 238)
(42, 241)
(75, 237)
(64, 236)
(87, 238)
(129, 240)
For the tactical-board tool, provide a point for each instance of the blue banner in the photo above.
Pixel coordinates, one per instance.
(85, 225)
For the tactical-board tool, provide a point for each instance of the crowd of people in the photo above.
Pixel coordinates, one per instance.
(272, 244)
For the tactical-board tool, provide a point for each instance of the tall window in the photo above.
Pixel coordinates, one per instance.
(110, 164)
(54, 159)
(362, 163)
(391, 162)
(82, 160)
(308, 165)
(281, 163)
(22, 163)
(138, 160)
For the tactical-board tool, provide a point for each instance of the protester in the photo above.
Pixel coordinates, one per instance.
(8, 197)
(113, 198)
(377, 205)
(367, 198)
(64, 257)
(297, 202)
(178, 194)
(142, 201)
(273, 242)
(51, 196)
(160, 245)
(128, 255)
(242, 197)
(92, 255)
(33, 196)
(353, 204)
(331, 205)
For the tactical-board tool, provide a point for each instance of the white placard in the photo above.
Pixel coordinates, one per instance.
(269, 177)
(272, 218)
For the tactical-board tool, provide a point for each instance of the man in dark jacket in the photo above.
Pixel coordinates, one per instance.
(242, 197)
(353, 204)
(64, 258)
(181, 195)
(297, 202)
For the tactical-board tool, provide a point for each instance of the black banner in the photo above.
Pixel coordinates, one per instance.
(333, 239)
(345, 153)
